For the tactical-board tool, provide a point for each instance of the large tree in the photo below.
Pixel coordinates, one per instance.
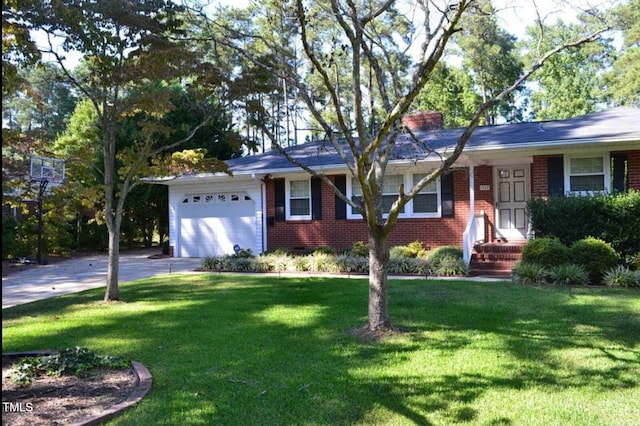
(489, 56)
(570, 83)
(625, 76)
(129, 53)
(367, 150)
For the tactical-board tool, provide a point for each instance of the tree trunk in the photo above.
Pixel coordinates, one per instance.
(112, 292)
(378, 267)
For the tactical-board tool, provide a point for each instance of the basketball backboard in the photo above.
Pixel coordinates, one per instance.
(46, 169)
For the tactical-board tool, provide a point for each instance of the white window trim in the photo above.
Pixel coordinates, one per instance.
(408, 209)
(606, 158)
(288, 215)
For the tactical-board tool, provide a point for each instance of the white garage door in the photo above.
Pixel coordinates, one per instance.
(212, 224)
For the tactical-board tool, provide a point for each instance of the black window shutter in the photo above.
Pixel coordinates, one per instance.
(620, 178)
(341, 207)
(280, 199)
(316, 198)
(555, 175)
(446, 194)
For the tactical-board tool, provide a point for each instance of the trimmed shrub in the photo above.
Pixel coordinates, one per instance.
(435, 256)
(568, 274)
(545, 252)
(529, 274)
(621, 276)
(410, 251)
(359, 248)
(595, 255)
(324, 250)
(614, 218)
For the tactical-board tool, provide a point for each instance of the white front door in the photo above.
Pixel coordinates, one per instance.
(512, 193)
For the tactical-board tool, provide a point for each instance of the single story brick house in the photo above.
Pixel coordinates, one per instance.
(269, 203)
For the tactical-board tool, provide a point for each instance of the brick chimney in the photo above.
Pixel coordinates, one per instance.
(425, 120)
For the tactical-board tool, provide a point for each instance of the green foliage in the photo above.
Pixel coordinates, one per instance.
(545, 252)
(435, 256)
(412, 250)
(622, 276)
(324, 250)
(569, 82)
(614, 218)
(359, 248)
(530, 274)
(568, 274)
(70, 361)
(624, 77)
(595, 255)
(450, 266)
(356, 264)
(320, 261)
(9, 246)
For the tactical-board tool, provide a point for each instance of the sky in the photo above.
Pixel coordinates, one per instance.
(513, 15)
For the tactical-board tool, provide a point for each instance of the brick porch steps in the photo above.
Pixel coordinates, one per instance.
(495, 259)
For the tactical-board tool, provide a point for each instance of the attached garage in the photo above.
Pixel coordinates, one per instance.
(212, 224)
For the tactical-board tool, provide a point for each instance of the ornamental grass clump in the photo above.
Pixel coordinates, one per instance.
(621, 276)
(530, 274)
(568, 274)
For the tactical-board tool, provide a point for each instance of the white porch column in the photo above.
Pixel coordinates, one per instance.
(469, 235)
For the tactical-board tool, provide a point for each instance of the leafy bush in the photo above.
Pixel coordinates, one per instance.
(410, 251)
(568, 274)
(435, 256)
(621, 276)
(450, 266)
(70, 361)
(595, 255)
(530, 273)
(545, 252)
(324, 250)
(359, 248)
(614, 218)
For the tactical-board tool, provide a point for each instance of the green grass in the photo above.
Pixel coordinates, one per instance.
(241, 350)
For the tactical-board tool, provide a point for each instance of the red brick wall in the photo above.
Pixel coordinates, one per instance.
(633, 158)
(341, 234)
(539, 178)
(539, 184)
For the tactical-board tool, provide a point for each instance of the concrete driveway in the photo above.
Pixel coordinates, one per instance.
(82, 273)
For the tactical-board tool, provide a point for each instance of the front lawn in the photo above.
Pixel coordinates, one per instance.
(266, 350)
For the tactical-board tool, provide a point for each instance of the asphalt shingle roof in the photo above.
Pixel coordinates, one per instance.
(616, 123)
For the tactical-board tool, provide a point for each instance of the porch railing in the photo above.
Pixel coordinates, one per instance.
(473, 234)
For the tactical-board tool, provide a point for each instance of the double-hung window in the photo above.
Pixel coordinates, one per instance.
(299, 199)
(588, 174)
(389, 191)
(427, 201)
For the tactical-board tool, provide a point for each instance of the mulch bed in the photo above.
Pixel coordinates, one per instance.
(63, 400)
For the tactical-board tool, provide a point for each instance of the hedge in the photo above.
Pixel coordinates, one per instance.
(614, 218)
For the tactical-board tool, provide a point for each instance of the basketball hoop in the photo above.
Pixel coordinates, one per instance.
(45, 171)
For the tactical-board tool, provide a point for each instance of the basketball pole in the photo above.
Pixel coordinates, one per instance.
(43, 188)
